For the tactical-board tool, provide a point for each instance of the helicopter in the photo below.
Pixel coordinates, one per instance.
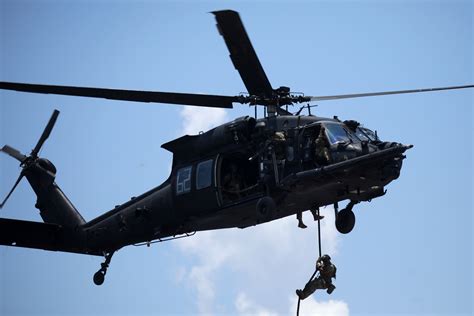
(243, 173)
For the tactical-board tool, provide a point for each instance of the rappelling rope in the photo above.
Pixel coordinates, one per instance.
(319, 248)
(319, 232)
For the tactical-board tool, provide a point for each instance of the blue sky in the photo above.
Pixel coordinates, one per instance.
(411, 250)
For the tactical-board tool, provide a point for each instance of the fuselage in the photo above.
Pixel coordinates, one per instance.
(219, 177)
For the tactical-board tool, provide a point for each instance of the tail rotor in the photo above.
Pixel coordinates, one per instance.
(27, 162)
(15, 153)
(45, 135)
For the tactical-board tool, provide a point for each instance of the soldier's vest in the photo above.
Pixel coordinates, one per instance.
(328, 272)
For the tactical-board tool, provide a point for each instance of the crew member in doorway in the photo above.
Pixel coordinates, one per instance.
(233, 183)
(322, 153)
(279, 140)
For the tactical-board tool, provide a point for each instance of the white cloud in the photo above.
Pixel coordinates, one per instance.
(200, 276)
(309, 306)
(245, 306)
(180, 274)
(212, 253)
(200, 119)
(315, 308)
(257, 255)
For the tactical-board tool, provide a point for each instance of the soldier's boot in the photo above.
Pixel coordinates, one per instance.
(331, 288)
(301, 294)
(301, 224)
(300, 221)
(316, 216)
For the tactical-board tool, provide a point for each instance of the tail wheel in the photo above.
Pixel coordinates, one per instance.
(99, 277)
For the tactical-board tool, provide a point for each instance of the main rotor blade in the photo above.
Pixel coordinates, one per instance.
(13, 189)
(15, 153)
(373, 94)
(206, 100)
(46, 133)
(242, 54)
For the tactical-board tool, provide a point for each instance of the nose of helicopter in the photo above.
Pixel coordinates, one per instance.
(393, 166)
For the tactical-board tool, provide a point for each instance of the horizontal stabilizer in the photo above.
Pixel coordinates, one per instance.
(44, 236)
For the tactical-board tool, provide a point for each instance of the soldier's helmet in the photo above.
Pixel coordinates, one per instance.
(326, 258)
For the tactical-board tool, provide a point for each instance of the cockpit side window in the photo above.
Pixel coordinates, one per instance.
(360, 133)
(183, 180)
(204, 174)
(370, 134)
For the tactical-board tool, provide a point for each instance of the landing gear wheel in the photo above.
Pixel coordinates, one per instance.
(345, 221)
(99, 277)
(265, 209)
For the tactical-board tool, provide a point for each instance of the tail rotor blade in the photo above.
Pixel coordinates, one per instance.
(15, 153)
(11, 191)
(46, 133)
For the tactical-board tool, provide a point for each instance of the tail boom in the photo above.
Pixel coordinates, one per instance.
(44, 236)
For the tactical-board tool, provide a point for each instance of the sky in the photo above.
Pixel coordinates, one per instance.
(411, 250)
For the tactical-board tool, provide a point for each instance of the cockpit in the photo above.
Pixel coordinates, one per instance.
(366, 134)
(341, 134)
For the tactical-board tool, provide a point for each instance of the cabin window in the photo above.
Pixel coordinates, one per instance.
(183, 180)
(204, 174)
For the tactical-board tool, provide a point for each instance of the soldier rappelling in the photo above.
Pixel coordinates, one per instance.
(327, 271)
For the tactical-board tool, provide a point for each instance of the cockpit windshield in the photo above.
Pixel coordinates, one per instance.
(366, 134)
(337, 133)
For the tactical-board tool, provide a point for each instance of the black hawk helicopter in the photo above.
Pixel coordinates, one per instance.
(240, 174)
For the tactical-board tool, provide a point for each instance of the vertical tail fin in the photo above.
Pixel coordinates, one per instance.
(53, 204)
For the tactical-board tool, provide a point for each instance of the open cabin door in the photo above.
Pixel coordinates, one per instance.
(237, 178)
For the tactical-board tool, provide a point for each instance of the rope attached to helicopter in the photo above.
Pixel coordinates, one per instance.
(326, 272)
